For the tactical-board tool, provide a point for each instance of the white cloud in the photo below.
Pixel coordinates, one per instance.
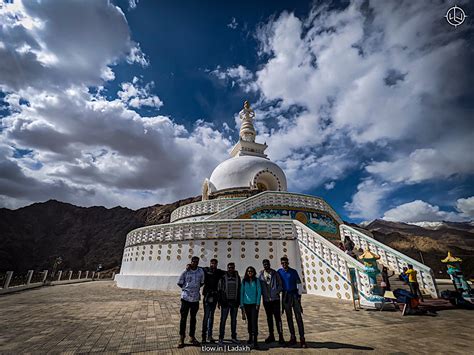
(466, 207)
(238, 75)
(367, 201)
(135, 96)
(426, 164)
(233, 24)
(421, 211)
(137, 56)
(376, 76)
(52, 44)
(64, 139)
(132, 4)
(330, 185)
(94, 151)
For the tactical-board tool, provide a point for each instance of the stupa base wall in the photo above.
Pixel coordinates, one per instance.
(148, 282)
(157, 266)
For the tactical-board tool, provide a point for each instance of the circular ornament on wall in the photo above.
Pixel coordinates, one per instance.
(301, 216)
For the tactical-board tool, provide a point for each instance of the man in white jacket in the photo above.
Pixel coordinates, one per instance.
(190, 282)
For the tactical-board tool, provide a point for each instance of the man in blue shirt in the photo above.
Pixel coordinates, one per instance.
(291, 301)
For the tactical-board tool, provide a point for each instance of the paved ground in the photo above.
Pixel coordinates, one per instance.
(99, 317)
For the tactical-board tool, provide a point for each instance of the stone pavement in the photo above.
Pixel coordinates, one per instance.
(99, 317)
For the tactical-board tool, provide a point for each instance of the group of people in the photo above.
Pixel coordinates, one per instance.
(225, 290)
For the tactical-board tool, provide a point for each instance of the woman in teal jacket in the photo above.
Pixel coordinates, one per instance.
(250, 294)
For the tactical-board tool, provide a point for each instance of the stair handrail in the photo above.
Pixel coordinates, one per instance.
(263, 194)
(330, 245)
(350, 262)
(432, 289)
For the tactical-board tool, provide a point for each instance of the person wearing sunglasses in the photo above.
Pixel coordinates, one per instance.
(250, 294)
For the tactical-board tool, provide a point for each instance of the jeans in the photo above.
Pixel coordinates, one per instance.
(291, 303)
(252, 320)
(234, 311)
(208, 320)
(272, 310)
(188, 307)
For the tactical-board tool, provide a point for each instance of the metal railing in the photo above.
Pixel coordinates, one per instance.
(393, 259)
(11, 281)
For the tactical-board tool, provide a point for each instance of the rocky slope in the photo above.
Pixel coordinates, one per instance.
(32, 237)
(430, 244)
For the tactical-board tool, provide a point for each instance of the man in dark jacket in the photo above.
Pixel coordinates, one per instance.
(212, 275)
(229, 301)
(271, 288)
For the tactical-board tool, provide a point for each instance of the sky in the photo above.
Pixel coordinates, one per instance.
(367, 104)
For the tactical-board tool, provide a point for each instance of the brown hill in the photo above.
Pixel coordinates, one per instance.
(428, 245)
(32, 237)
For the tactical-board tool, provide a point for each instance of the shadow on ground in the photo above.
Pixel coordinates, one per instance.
(318, 345)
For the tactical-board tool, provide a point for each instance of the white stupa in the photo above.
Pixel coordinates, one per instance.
(246, 215)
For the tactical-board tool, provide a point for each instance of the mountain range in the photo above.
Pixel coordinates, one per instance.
(32, 237)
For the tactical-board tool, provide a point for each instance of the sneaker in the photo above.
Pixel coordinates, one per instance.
(212, 340)
(281, 340)
(270, 339)
(303, 343)
(256, 346)
(220, 342)
(194, 341)
(181, 342)
(203, 340)
(292, 341)
(235, 341)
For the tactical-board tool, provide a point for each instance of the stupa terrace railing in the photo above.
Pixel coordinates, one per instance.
(202, 208)
(275, 198)
(391, 258)
(333, 257)
(220, 229)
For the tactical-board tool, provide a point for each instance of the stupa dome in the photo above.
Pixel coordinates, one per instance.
(248, 171)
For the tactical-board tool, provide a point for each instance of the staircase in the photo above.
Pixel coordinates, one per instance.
(392, 259)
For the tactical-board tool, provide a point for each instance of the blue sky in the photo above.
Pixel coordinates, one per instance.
(134, 103)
